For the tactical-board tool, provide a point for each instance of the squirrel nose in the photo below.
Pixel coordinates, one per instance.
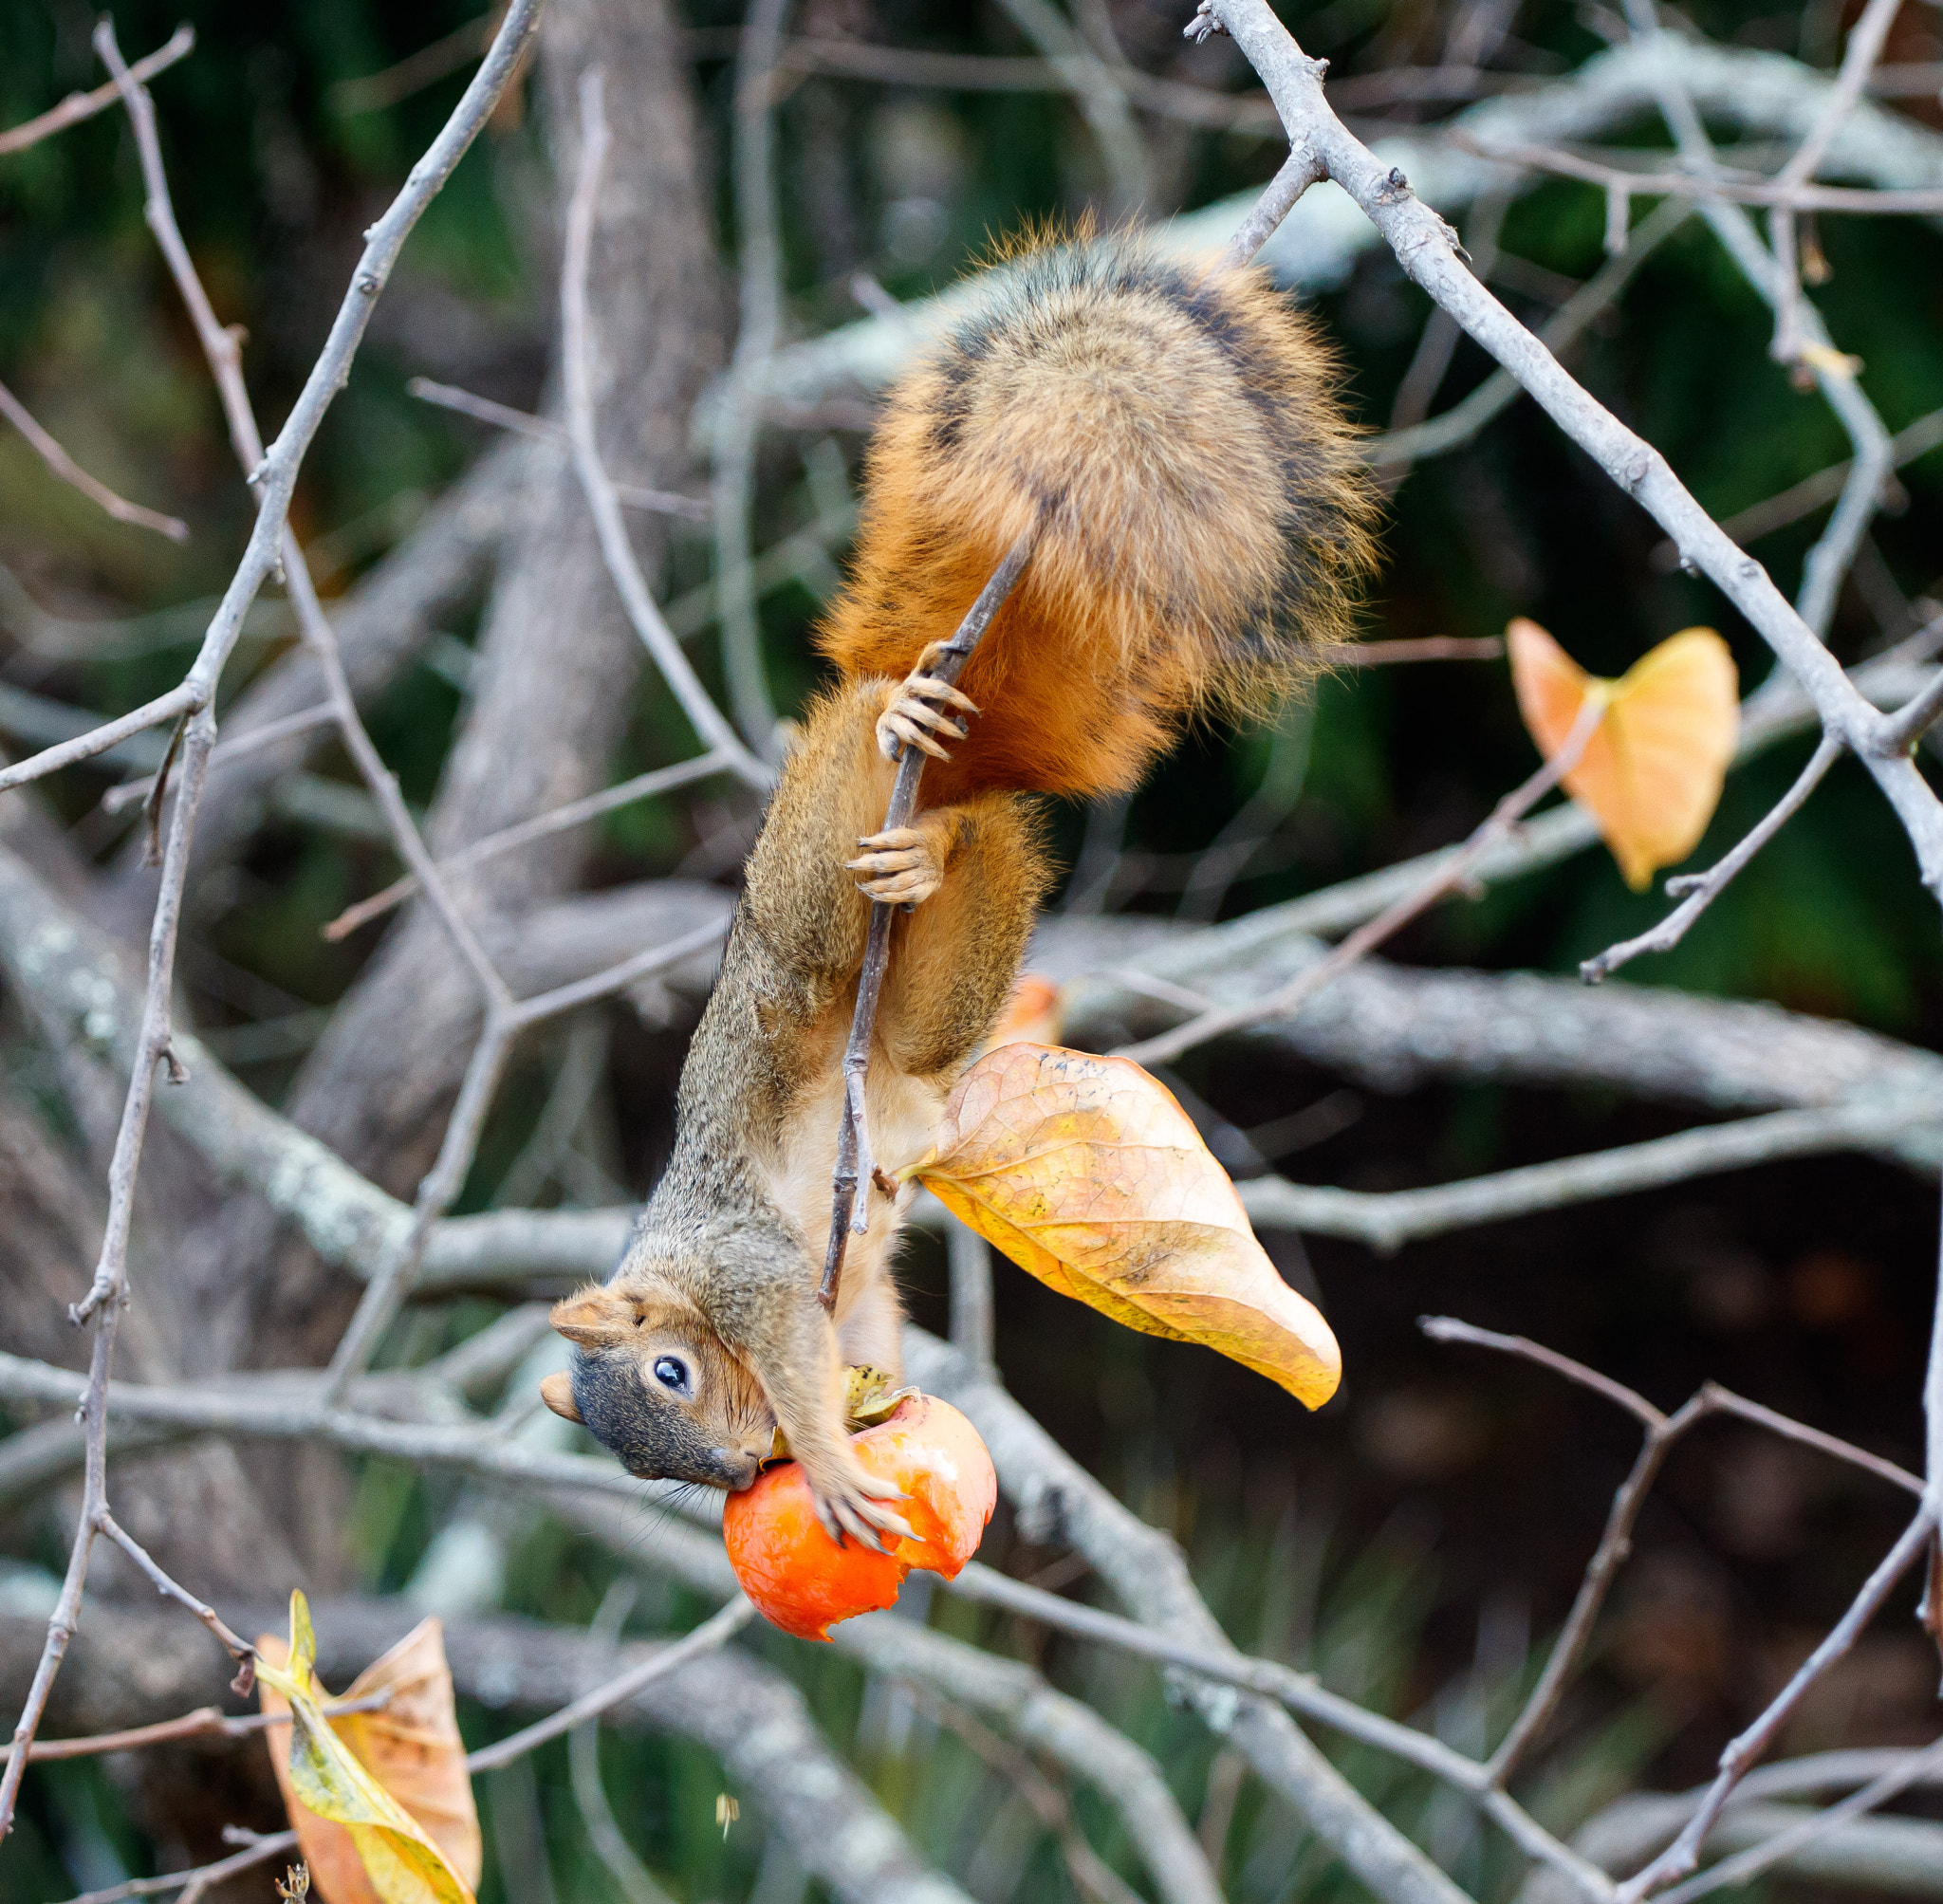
(738, 1468)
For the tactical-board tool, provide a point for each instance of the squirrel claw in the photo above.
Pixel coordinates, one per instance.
(863, 1519)
(902, 864)
(905, 720)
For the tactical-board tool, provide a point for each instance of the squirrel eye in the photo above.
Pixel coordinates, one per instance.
(672, 1372)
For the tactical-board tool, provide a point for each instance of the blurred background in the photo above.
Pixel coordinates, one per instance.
(1415, 1540)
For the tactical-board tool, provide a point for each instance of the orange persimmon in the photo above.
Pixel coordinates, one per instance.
(802, 1580)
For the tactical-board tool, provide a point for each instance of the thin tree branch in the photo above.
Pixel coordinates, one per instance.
(276, 481)
(757, 337)
(1457, 425)
(714, 732)
(575, 813)
(1683, 1854)
(1702, 889)
(855, 1168)
(1864, 48)
(711, 1632)
(63, 465)
(1424, 246)
(1663, 1432)
(78, 106)
(200, 1878)
(543, 428)
(1782, 1846)
(1758, 519)
(1720, 188)
(205, 1722)
(1508, 811)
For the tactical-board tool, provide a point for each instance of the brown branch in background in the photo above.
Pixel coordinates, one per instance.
(1424, 648)
(1789, 505)
(78, 106)
(205, 1722)
(855, 1165)
(415, 72)
(199, 1881)
(63, 465)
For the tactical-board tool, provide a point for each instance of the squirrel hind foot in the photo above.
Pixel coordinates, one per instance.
(905, 721)
(902, 866)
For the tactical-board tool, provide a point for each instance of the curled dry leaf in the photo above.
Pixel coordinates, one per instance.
(1085, 1171)
(1651, 775)
(381, 1800)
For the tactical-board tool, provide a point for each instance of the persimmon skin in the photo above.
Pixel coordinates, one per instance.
(800, 1581)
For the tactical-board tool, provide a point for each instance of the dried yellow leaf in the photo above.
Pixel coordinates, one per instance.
(1652, 773)
(381, 1800)
(1085, 1171)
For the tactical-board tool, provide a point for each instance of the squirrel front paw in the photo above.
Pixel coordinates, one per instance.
(849, 1501)
(910, 721)
(903, 864)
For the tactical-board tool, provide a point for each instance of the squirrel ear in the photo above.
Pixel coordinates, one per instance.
(594, 1319)
(556, 1391)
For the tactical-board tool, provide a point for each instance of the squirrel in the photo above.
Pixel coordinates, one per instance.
(1203, 522)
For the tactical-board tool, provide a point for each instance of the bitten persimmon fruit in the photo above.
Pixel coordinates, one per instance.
(802, 1581)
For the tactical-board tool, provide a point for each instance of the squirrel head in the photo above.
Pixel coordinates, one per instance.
(651, 1380)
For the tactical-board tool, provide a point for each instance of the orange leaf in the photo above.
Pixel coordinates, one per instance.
(411, 1747)
(1033, 1013)
(1651, 775)
(1085, 1171)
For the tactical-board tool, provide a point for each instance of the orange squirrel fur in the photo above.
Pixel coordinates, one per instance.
(1205, 514)
(1203, 522)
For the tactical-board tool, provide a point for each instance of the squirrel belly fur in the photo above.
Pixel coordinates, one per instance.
(1204, 522)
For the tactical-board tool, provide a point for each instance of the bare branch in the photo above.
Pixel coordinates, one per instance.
(1508, 812)
(575, 813)
(1702, 889)
(1662, 1430)
(63, 465)
(544, 430)
(78, 106)
(761, 279)
(1682, 1856)
(1912, 440)
(1724, 188)
(716, 734)
(711, 1632)
(276, 476)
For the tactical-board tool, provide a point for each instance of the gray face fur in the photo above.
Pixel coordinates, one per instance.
(652, 1433)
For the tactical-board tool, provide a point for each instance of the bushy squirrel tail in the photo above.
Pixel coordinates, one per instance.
(1205, 519)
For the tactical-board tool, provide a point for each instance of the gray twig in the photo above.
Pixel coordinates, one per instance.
(63, 465)
(854, 1163)
(1449, 873)
(78, 106)
(618, 553)
(759, 332)
(1702, 889)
